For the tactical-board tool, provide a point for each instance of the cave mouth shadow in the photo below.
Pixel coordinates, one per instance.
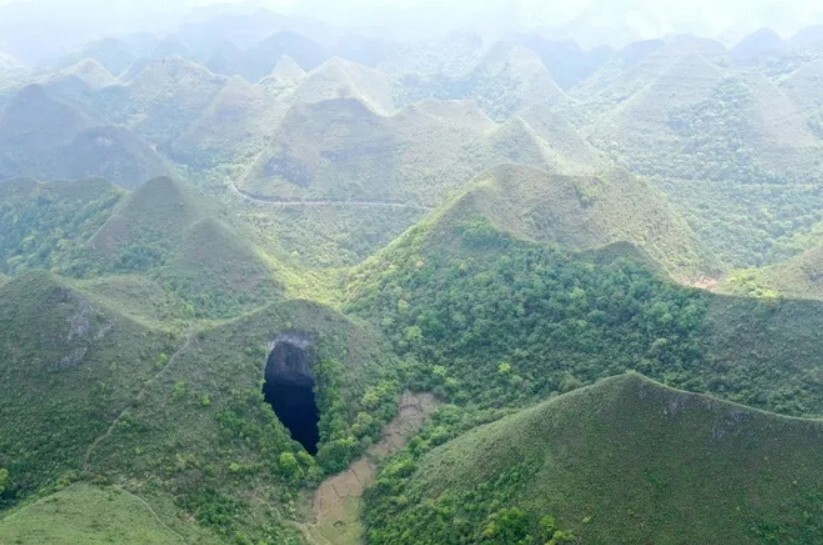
(289, 389)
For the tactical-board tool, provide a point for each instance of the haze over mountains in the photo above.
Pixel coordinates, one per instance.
(532, 275)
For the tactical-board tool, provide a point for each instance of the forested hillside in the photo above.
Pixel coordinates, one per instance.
(267, 280)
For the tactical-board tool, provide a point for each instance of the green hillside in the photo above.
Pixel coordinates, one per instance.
(801, 85)
(505, 80)
(342, 150)
(581, 212)
(32, 124)
(732, 152)
(186, 242)
(624, 461)
(81, 361)
(337, 78)
(177, 419)
(148, 223)
(231, 129)
(266, 280)
(439, 293)
(219, 273)
(160, 98)
(91, 72)
(800, 277)
(46, 225)
(113, 153)
(200, 431)
(91, 515)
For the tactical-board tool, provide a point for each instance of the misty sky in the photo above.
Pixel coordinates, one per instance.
(66, 23)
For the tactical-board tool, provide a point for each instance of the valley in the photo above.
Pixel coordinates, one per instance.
(270, 280)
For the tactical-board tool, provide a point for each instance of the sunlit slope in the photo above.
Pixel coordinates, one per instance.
(624, 461)
(338, 78)
(93, 516)
(91, 72)
(800, 277)
(582, 212)
(156, 214)
(188, 243)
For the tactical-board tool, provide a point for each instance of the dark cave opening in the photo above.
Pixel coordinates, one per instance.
(289, 389)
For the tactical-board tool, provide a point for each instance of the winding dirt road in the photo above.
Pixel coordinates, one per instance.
(360, 204)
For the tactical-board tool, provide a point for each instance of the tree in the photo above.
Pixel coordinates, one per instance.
(289, 466)
(507, 527)
(4, 480)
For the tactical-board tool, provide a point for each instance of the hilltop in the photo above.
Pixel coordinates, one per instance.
(800, 277)
(187, 243)
(706, 133)
(80, 360)
(624, 461)
(580, 213)
(32, 123)
(574, 316)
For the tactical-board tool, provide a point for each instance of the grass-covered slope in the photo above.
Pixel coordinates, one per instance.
(114, 153)
(721, 144)
(188, 243)
(161, 98)
(93, 516)
(503, 81)
(68, 366)
(800, 277)
(66, 127)
(625, 461)
(337, 78)
(219, 272)
(32, 124)
(231, 129)
(340, 149)
(149, 222)
(200, 431)
(91, 72)
(583, 212)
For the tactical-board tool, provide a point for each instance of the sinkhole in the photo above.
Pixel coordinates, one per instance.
(289, 389)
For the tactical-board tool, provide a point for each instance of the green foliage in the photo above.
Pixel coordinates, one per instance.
(587, 459)
(4, 480)
(716, 134)
(46, 226)
(94, 515)
(561, 321)
(564, 318)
